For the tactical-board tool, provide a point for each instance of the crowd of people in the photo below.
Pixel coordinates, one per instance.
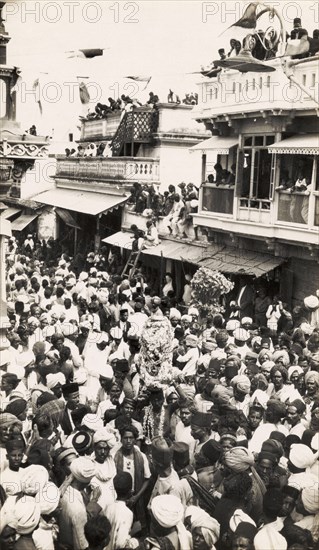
(175, 208)
(223, 455)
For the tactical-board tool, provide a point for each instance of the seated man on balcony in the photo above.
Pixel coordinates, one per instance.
(151, 236)
(90, 151)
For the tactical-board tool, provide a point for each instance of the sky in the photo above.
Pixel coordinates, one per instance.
(168, 40)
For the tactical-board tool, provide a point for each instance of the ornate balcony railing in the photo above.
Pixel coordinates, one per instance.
(233, 92)
(105, 169)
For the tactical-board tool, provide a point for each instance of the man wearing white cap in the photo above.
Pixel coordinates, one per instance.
(312, 305)
(73, 515)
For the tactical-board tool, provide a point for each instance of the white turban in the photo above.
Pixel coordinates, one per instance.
(175, 314)
(22, 514)
(309, 498)
(83, 469)
(33, 479)
(237, 518)
(168, 511)
(105, 435)
(232, 324)
(68, 329)
(209, 526)
(55, 379)
(261, 397)
(193, 512)
(49, 498)
(242, 382)
(293, 369)
(92, 422)
(302, 456)
(268, 538)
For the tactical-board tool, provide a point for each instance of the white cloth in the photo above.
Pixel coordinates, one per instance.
(121, 520)
(262, 433)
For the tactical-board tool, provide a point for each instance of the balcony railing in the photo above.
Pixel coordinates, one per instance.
(217, 199)
(293, 207)
(235, 92)
(104, 127)
(105, 169)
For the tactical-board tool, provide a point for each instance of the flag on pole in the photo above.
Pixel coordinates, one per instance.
(36, 89)
(248, 19)
(84, 92)
(145, 79)
(85, 54)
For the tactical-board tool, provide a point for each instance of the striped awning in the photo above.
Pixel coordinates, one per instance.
(219, 144)
(307, 144)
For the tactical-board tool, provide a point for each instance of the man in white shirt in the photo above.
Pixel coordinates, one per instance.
(137, 319)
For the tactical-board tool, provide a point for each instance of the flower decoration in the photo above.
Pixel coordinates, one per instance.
(208, 287)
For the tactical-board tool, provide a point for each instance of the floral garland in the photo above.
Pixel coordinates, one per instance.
(156, 353)
(148, 424)
(207, 288)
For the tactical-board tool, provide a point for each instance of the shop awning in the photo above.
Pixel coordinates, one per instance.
(67, 218)
(177, 251)
(23, 221)
(10, 212)
(307, 144)
(219, 144)
(121, 239)
(233, 260)
(80, 201)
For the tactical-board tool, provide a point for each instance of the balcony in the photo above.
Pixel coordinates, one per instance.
(172, 118)
(288, 217)
(96, 169)
(242, 93)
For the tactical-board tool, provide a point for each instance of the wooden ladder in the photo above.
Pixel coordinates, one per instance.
(131, 263)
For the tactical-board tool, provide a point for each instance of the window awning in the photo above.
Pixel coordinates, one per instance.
(80, 201)
(232, 260)
(23, 221)
(10, 212)
(177, 251)
(219, 144)
(121, 239)
(307, 144)
(67, 218)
